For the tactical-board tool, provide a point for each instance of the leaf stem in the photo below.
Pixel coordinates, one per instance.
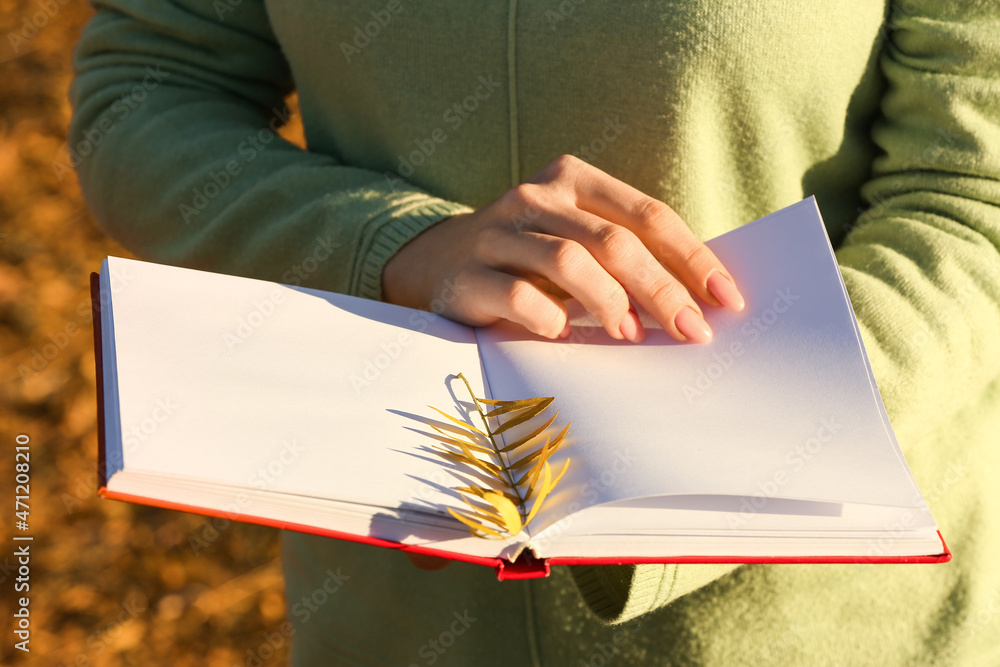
(503, 463)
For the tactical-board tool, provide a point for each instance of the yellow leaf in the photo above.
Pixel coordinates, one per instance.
(467, 457)
(547, 485)
(531, 436)
(485, 513)
(475, 526)
(479, 491)
(512, 406)
(561, 473)
(489, 402)
(466, 432)
(553, 445)
(451, 456)
(546, 482)
(453, 441)
(537, 469)
(491, 467)
(531, 489)
(458, 421)
(557, 442)
(525, 460)
(507, 509)
(523, 416)
(547, 451)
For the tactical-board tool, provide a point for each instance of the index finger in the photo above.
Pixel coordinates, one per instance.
(658, 226)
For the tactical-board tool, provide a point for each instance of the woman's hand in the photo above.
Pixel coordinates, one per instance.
(569, 231)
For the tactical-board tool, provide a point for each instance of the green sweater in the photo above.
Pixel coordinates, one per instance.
(725, 110)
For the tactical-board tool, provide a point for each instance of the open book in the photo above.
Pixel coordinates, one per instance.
(308, 410)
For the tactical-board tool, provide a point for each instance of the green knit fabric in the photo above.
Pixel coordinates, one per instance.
(888, 114)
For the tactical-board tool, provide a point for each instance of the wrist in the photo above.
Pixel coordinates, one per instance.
(408, 276)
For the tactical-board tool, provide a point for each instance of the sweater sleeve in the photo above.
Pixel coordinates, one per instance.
(921, 264)
(176, 103)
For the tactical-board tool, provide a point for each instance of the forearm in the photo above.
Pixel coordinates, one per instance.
(184, 166)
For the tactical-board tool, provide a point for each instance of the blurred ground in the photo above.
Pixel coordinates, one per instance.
(110, 583)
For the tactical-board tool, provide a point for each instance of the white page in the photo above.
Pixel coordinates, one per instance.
(247, 382)
(780, 404)
(735, 517)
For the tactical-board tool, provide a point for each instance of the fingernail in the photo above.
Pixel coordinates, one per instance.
(725, 292)
(565, 332)
(693, 326)
(631, 327)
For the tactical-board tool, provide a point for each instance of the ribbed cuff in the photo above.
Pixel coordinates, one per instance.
(619, 593)
(605, 588)
(391, 231)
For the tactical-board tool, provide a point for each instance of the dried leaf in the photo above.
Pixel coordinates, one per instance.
(547, 485)
(474, 525)
(507, 509)
(485, 513)
(547, 451)
(504, 506)
(466, 432)
(517, 443)
(557, 441)
(553, 445)
(536, 470)
(458, 421)
(462, 457)
(524, 461)
(491, 467)
(471, 445)
(523, 416)
(479, 491)
(512, 406)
